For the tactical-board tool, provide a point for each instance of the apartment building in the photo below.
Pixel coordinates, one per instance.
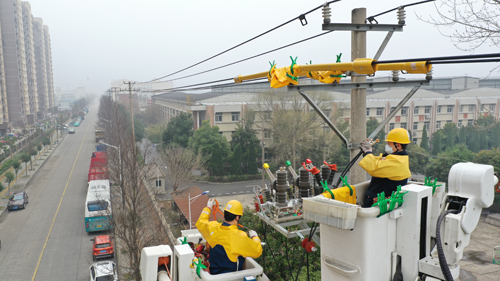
(26, 92)
(460, 100)
(41, 68)
(29, 45)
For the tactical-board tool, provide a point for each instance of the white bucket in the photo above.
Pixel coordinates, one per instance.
(496, 255)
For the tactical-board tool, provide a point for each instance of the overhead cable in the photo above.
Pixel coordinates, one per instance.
(300, 17)
(372, 18)
(252, 57)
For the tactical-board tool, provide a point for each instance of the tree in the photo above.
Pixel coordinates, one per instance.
(16, 165)
(154, 132)
(245, 136)
(488, 157)
(450, 131)
(473, 143)
(439, 167)
(251, 160)
(39, 147)
(181, 164)
(419, 158)
(9, 177)
(474, 23)
(294, 128)
(138, 128)
(179, 130)
(33, 153)
(462, 137)
(152, 115)
(207, 141)
(436, 143)
(424, 143)
(483, 142)
(135, 222)
(236, 160)
(26, 158)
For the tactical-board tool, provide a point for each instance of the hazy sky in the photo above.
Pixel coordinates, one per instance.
(97, 41)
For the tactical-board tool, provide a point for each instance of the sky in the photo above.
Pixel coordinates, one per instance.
(97, 41)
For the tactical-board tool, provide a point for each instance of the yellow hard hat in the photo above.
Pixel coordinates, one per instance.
(398, 135)
(234, 207)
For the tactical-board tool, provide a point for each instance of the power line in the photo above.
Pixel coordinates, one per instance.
(300, 17)
(191, 88)
(252, 57)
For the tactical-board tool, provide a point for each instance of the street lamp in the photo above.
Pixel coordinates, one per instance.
(263, 154)
(119, 157)
(194, 198)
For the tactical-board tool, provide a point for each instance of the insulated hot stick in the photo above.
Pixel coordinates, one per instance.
(349, 166)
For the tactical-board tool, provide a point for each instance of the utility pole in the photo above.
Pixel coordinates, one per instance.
(131, 113)
(115, 95)
(358, 96)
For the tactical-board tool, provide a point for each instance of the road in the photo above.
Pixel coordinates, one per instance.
(47, 240)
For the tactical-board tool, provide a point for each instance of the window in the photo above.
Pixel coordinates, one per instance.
(449, 109)
(367, 112)
(218, 117)
(267, 115)
(415, 140)
(438, 124)
(469, 122)
(439, 109)
(235, 116)
(459, 123)
(267, 134)
(461, 108)
(403, 125)
(379, 111)
(471, 108)
(391, 126)
(427, 109)
(492, 107)
(415, 125)
(415, 110)
(404, 111)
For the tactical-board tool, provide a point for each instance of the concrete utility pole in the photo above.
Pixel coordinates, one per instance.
(358, 96)
(132, 113)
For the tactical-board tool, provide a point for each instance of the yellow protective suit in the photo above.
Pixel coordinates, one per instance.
(393, 167)
(235, 242)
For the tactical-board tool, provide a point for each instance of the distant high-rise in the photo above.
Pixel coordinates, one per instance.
(26, 80)
(41, 67)
(14, 54)
(29, 46)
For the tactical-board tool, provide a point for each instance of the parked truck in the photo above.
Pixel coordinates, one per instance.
(81, 114)
(99, 135)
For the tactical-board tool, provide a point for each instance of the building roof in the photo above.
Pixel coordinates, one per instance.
(181, 199)
(478, 92)
(398, 93)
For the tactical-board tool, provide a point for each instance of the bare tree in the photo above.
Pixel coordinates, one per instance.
(135, 223)
(475, 22)
(181, 164)
(291, 121)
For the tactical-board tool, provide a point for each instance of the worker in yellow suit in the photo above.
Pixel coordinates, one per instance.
(230, 246)
(389, 169)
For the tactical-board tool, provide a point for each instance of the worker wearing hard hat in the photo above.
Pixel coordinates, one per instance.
(389, 170)
(230, 246)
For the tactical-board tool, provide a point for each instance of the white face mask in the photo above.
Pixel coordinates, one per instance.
(388, 149)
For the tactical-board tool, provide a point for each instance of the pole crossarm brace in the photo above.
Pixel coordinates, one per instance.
(362, 27)
(394, 111)
(324, 117)
(334, 86)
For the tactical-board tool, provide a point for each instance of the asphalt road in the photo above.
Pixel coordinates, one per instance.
(47, 240)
